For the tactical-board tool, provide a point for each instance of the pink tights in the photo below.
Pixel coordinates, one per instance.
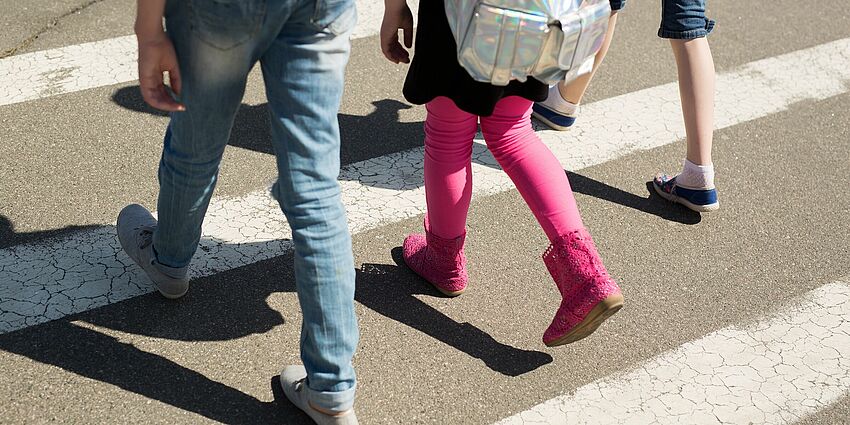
(532, 167)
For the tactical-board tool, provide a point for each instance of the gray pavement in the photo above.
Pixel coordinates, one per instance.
(72, 161)
(24, 22)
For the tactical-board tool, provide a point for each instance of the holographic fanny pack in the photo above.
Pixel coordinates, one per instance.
(550, 40)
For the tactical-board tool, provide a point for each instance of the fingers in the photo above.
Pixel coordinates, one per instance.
(397, 54)
(156, 57)
(407, 28)
(393, 50)
(389, 40)
(390, 45)
(160, 99)
(155, 94)
(171, 65)
(386, 43)
(174, 80)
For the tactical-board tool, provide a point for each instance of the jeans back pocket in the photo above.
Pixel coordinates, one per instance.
(337, 16)
(225, 24)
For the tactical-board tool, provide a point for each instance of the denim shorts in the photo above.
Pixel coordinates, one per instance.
(617, 5)
(684, 19)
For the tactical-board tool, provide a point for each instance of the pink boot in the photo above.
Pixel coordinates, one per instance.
(589, 294)
(439, 261)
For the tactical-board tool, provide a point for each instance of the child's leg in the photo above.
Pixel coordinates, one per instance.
(532, 167)
(449, 132)
(438, 255)
(685, 24)
(588, 294)
(560, 109)
(573, 91)
(696, 88)
(303, 71)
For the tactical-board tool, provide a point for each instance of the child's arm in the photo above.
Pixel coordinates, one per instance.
(397, 16)
(156, 56)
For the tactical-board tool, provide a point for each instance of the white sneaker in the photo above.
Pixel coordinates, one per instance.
(552, 113)
(135, 232)
(293, 379)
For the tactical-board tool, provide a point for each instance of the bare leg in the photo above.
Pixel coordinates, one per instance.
(574, 91)
(694, 186)
(696, 88)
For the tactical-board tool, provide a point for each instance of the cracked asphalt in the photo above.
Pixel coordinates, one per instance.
(754, 374)
(72, 161)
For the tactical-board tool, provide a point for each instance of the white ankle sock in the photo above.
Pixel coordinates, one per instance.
(559, 103)
(696, 176)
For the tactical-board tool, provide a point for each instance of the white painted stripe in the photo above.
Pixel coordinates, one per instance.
(777, 371)
(69, 69)
(45, 282)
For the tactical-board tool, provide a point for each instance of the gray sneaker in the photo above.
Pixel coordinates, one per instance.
(135, 232)
(293, 379)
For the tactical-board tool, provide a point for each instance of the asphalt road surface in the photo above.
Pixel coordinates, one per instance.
(738, 316)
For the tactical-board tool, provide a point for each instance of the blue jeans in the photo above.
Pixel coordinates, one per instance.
(684, 19)
(303, 48)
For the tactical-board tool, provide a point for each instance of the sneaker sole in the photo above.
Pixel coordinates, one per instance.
(679, 200)
(548, 123)
(173, 296)
(600, 313)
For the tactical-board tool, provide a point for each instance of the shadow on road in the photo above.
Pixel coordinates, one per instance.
(10, 237)
(213, 311)
(101, 357)
(652, 204)
(381, 133)
(363, 136)
(217, 312)
(391, 291)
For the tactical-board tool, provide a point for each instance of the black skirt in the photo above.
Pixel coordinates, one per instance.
(435, 71)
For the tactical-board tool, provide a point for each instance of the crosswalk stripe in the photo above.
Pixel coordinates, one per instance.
(85, 66)
(776, 371)
(42, 282)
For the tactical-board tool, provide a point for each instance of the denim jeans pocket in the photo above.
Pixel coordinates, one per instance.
(337, 16)
(225, 24)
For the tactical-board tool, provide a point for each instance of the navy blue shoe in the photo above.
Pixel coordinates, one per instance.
(554, 119)
(699, 200)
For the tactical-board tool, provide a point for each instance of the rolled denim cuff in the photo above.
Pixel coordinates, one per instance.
(335, 401)
(617, 5)
(689, 34)
(175, 272)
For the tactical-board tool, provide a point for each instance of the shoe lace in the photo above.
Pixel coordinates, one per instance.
(145, 236)
(299, 384)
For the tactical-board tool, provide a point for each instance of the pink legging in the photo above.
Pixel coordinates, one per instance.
(532, 167)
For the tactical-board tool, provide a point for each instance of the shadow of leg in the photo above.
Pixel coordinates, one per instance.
(653, 204)
(290, 415)
(382, 288)
(101, 357)
(9, 237)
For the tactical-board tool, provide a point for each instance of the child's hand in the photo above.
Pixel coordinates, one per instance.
(397, 16)
(156, 56)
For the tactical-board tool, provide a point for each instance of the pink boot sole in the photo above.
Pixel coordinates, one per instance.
(589, 295)
(602, 311)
